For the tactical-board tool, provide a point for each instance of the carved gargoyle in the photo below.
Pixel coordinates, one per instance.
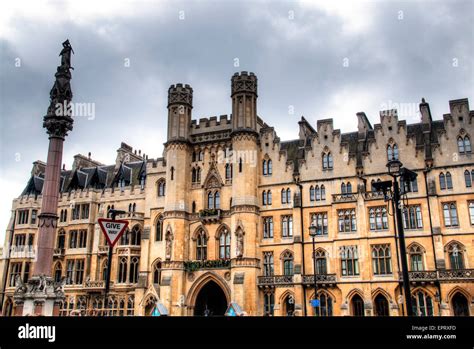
(20, 286)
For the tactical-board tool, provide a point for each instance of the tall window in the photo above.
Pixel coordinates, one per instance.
(381, 259)
(269, 197)
(267, 263)
(323, 192)
(74, 271)
(228, 172)
(449, 181)
(78, 238)
(122, 270)
(15, 270)
(26, 272)
(283, 196)
(196, 175)
(104, 269)
(268, 227)
(456, 257)
(264, 198)
(58, 272)
(442, 181)
(157, 272)
(61, 242)
(135, 236)
(349, 260)
(287, 259)
(422, 304)
(468, 178)
(412, 218)
(409, 186)
(317, 193)
(471, 212)
(159, 229)
(213, 200)
(134, 263)
(392, 152)
(325, 305)
(347, 220)
(450, 215)
(357, 306)
(464, 145)
(161, 187)
(269, 303)
(378, 219)
(327, 161)
(312, 194)
(267, 167)
(416, 258)
(287, 226)
(224, 244)
(201, 246)
(23, 216)
(320, 221)
(34, 216)
(321, 262)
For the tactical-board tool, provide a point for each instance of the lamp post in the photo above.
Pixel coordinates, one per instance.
(313, 232)
(396, 170)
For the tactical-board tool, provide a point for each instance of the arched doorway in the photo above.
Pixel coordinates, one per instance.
(460, 305)
(289, 306)
(381, 306)
(357, 305)
(211, 300)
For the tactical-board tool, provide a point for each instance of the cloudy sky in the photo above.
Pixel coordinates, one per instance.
(319, 59)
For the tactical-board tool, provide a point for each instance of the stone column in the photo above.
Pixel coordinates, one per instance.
(41, 295)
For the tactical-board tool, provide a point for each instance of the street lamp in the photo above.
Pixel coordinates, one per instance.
(313, 232)
(396, 170)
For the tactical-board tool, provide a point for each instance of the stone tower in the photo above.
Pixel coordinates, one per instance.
(245, 212)
(175, 226)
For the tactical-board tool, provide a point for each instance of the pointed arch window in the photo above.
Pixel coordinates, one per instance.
(161, 187)
(228, 172)
(288, 195)
(287, 259)
(392, 152)
(321, 262)
(381, 259)
(122, 270)
(268, 263)
(157, 273)
(264, 198)
(224, 244)
(349, 260)
(201, 245)
(104, 269)
(159, 229)
(325, 305)
(464, 145)
(422, 304)
(269, 197)
(323, 192)
(468, 176)
(58, 272)
(327, 161)
(442, 181)
(449, 181)
(134, 263)
(135, 236)
(416, 258)
(283, 196)
(456, 258)
(312, 194)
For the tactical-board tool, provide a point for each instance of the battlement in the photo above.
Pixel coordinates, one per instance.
(244, 82)
(213, 121)
(180, 94)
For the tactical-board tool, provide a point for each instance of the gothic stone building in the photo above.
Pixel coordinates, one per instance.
(224, 217)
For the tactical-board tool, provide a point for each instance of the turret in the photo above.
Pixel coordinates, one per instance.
(180, 105)
(244, 102)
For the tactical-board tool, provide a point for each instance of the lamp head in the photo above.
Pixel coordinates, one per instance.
(313, 231)
(394, 167)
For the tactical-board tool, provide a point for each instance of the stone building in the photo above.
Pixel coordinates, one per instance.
(224, 217)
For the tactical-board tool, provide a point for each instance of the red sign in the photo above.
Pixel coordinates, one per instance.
(112, 230)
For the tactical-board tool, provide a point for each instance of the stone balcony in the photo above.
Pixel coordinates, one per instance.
(209, 216)
(59, 252)
(191, 266)
(447, 275)
(103, 250)
(323, 280)
(350, 197)
(274, 281)
(22, 251)
(373, 195)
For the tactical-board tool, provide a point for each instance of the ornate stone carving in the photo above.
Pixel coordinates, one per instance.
(244, 83)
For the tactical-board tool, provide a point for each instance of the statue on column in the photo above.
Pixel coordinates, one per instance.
(66, 55)
(169, 241)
